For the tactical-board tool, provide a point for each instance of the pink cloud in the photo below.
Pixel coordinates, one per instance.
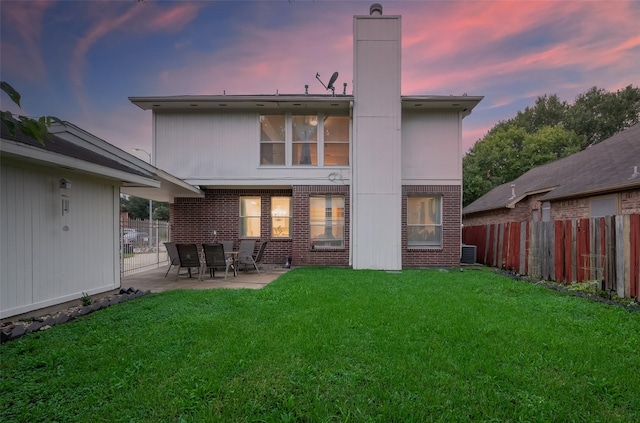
(284, 59)
(172, 19)
(22, 55)
(468, 28)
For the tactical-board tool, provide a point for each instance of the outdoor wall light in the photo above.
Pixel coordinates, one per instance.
(65, 183)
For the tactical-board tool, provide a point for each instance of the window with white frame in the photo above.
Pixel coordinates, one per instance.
(336, 140)
(272, 140)
(281, 217)
(326, 221)
(304, 140)
(424, 221)
(250, 214)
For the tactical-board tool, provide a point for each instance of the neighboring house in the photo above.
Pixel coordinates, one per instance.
(59, 215)
(371, 180)
(602, 180)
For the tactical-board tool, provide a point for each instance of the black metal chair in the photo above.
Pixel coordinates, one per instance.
(215, 257)
(172, 252)
(188, 257)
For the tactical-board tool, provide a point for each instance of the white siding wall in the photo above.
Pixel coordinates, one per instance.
(43, 264)
(224, 149)
(377, 177)
(431, 148)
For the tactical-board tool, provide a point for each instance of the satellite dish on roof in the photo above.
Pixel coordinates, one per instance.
(331, 82)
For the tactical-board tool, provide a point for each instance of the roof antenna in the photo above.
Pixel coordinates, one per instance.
(330, 85)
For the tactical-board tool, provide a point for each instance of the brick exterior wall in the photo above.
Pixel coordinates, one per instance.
(630, 202)
(193, 219)
(576, 208)
(449, 254)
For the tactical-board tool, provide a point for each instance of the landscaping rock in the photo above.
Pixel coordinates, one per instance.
(17, 332)
(34, 326)
(13, 330)
(85, 310)
(62, 318)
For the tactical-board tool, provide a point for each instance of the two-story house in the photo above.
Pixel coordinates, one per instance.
(370, 180)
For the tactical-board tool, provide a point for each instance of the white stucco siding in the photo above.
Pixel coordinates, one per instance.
(431, 148)
(197, 145)
(223, 149)
(42, 262)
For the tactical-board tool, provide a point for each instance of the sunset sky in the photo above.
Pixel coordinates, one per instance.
(81, 60)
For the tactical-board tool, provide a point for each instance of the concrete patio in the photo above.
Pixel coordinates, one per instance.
(154, 280)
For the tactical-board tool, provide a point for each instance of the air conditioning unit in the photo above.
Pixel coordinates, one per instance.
(468, 254)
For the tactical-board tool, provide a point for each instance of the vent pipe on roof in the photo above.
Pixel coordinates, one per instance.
(513, 191)
(635, 173)
(375, 9)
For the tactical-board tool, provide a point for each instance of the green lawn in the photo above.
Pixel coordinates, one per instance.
(335, 345)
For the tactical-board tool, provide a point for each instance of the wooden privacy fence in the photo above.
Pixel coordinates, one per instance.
(605, 249)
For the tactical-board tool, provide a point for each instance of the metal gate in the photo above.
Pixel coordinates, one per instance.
(142, 245)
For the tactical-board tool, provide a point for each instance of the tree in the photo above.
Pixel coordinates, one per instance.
(35, 128)
(138, 208)
(547, 131)
(160, 211)
(598, 114)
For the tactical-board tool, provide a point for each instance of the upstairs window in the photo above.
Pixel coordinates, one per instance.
(281, 217)
(336, 141)
(250, 214)
(305, 140)
(272, 140)
(424, 221)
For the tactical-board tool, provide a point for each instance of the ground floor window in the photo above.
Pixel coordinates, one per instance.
(250, 213)
(424, 221)
(603, 206)
(326, 221)
(281, 217)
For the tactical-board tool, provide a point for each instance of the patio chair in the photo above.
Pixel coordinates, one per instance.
(246, 256)
(172, 252)
(228, 245)
(188, 257)
(214, 256)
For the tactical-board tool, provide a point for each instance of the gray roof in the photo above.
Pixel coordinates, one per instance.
(55, 144)
(604, 167)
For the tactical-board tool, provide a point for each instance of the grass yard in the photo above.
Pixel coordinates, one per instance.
(335, 345)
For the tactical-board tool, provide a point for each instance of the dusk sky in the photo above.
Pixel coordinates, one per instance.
(81, 60)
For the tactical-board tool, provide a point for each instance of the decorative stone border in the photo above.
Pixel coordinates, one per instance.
(14, 330)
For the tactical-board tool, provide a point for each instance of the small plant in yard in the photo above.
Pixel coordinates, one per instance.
(86, 299)
(588, 287)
